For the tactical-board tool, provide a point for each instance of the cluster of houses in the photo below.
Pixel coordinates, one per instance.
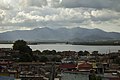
(80, 69)
(11, 70)
(72, 67)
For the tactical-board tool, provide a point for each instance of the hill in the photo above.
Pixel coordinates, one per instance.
(61, 34)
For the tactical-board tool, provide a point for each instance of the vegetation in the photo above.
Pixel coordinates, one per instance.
(22, 46)
(25, 51)
(43, 59)
(56, 59)
(37, 52)
(117, 60)
(48, 52)
(85, 53)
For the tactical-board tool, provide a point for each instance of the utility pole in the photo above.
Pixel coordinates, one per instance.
(52, 74)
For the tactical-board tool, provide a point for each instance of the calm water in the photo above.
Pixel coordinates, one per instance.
(64, 47)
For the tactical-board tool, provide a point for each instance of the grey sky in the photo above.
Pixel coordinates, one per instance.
(29, 14)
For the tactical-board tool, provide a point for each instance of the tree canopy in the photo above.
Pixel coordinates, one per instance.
(25, 54)
(22, 46)
(43, 59)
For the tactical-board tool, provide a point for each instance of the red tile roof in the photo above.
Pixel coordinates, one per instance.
(69, 66)
(85, 66)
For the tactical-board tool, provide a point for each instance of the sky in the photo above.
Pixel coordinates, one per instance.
(30, 14)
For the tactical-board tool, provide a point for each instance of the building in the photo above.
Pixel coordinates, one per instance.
(74, 76)
(84, 66)
(67, 66)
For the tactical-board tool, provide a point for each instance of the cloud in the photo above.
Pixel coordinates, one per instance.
(29, 14)
(98, 4)
(2, 15)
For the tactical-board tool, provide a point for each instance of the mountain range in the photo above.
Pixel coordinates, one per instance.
(60, 34)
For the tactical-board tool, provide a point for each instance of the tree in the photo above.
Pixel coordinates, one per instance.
(53, 52)
(25, 58)
(95, 53)
(22, 46)
(86, 53)
(46, 52)
(43, 59)
(56, 59)
(117, 60)
(80, 53)
(37, 52)
(25, 50)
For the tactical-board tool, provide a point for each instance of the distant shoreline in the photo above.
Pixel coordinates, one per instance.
(88, 43)
(70, 44)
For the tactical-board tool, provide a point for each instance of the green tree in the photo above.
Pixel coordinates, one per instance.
(43, 59)
(80, 53)
(25, 50)
(95, 53)
(22, 46)
(86, 53)
(117, 60)
(46, 52)
(53, 52)
(37, 52)
(25, 58)
(56, 59)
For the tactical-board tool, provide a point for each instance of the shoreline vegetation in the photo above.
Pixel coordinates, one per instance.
(94, 43)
